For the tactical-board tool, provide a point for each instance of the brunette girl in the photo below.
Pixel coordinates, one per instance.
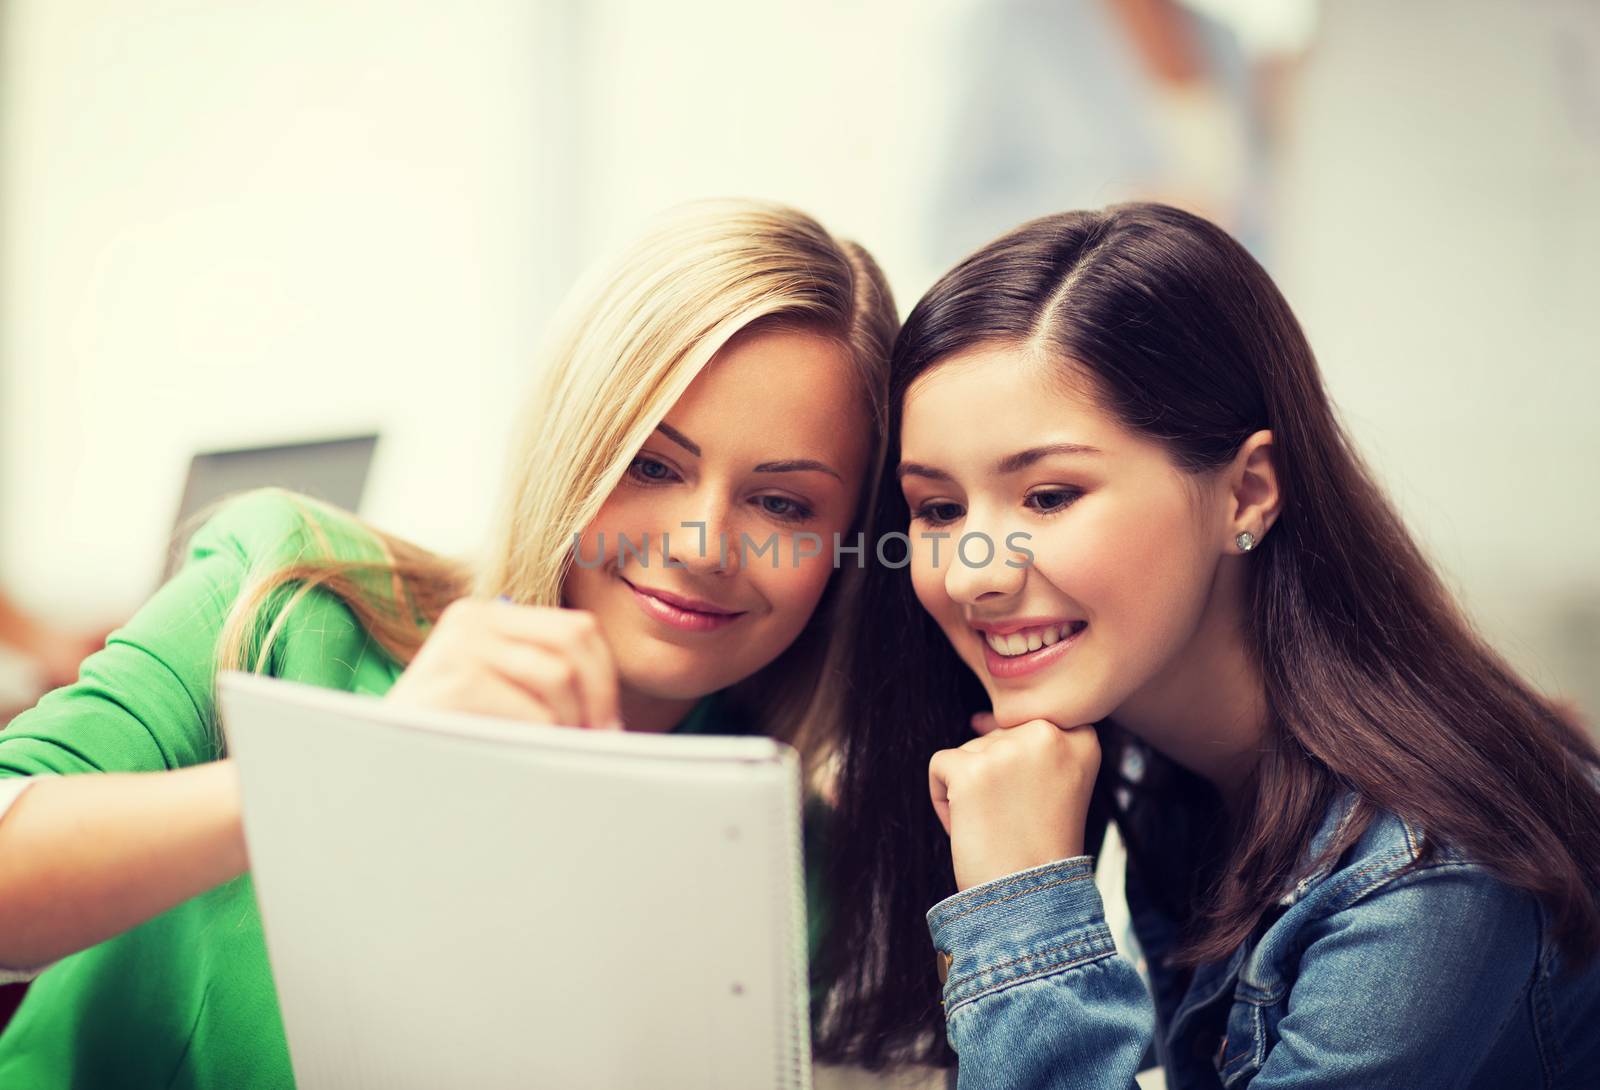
(1362, 851)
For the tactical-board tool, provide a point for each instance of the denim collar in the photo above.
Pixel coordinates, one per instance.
(1334, 821)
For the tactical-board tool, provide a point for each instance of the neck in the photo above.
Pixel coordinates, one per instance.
(642, 712)
(1208, 710)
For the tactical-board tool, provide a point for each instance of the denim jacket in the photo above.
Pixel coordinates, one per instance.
(1366, 975)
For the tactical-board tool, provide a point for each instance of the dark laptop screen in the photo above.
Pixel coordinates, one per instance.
(334, 470)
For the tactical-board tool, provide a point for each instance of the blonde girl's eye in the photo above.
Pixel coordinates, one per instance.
(648, 470)
(784, 508)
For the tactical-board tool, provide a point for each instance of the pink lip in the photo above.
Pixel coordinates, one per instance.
(1017, 624)
(688, 614)
(1005, 668)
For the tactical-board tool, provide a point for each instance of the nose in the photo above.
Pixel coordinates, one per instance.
(701, 540)
(976, 569)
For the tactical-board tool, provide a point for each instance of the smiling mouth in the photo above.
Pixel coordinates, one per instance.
(1014, 654)
(686, 614)
(1027, 640)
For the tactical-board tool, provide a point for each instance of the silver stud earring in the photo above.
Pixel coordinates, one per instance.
(1246, 541)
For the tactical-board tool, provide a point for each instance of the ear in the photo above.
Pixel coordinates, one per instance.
(1253, 493)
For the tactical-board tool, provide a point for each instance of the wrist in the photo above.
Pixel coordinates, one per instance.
(1021, 858)
(1031, 924)
(215, 788)
(1032, 907)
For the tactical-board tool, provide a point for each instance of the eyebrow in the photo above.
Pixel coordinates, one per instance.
(1011, 463)
(798, 465)
(791, 465)
(1025, 458)
(679, 438)
(917, 469)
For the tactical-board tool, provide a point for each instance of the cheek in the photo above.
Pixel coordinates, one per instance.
(928, 582)
(621, 514)
(630, 511)
(1088, 553)
(635, 514)
(792, 591)
(1138, 571)
(578, 589)
(928, 585)
(611, 519)
(791, 595)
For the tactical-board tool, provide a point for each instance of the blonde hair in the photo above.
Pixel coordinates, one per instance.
(630, 339)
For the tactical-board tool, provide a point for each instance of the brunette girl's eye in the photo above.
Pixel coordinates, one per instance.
(782, 507)
(650, 471)
(938, 514)
(1050, 500)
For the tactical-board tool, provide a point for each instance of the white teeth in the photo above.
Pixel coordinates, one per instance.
(1016, 643)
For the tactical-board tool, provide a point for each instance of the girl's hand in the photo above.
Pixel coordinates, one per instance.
(519, 662)
(1015, 798)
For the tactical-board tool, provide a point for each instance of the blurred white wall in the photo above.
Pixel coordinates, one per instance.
(828, 106)
(223, 224)
(1441, 243)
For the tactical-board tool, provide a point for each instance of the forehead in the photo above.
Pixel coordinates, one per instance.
(1001, 398)
(776, 390)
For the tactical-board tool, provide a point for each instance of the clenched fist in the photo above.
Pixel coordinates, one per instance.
(1014, 798)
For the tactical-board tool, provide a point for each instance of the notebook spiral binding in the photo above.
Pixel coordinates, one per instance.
(795, 1068)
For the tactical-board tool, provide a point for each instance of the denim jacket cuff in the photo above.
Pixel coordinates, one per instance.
(1025, 925)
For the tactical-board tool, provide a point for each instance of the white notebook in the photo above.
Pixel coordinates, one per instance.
(451, 900)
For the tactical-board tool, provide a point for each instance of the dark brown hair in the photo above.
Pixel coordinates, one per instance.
(1374, 680)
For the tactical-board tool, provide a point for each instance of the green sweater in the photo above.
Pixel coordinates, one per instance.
(187, 999)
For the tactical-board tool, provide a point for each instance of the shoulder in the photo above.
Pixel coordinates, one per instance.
(1391, 850)
(1386, 916)
(1387, 936)
(309, 581)
(1387, 866)
(273, 527)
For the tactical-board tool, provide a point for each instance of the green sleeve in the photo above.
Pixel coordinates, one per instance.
(144, 702)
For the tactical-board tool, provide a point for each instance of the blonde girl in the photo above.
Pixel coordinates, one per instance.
(726, 372)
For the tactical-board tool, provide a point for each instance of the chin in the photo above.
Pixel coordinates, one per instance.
(1015, 708)
(679, 673)
(672, 684)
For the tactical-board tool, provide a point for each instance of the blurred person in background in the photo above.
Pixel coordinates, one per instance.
(1074, 103)
(52, 655)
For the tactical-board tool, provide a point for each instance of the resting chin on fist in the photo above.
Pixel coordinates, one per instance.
(1014, 797)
